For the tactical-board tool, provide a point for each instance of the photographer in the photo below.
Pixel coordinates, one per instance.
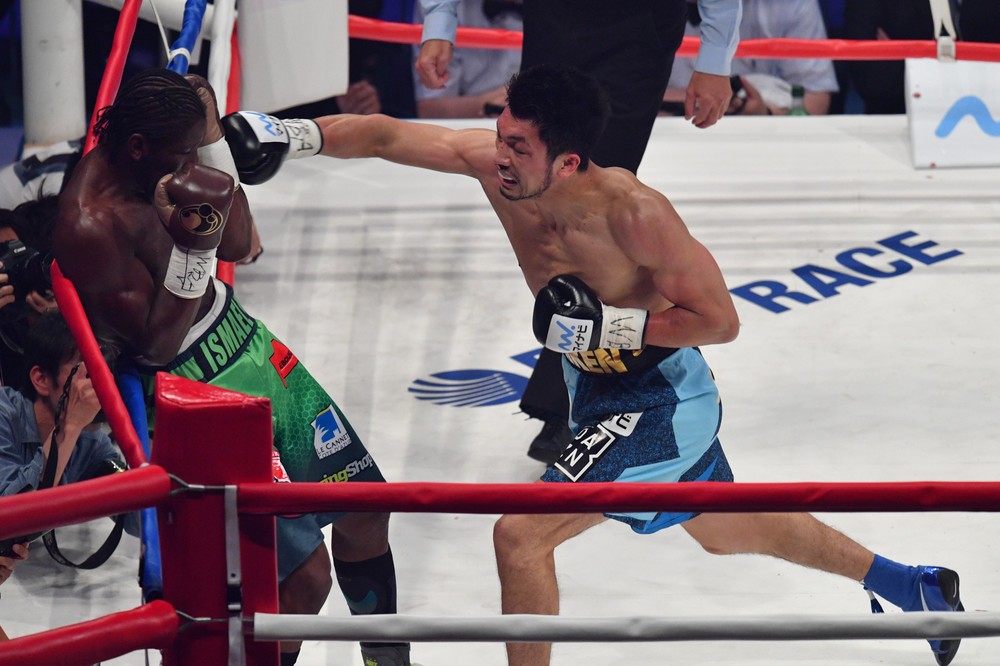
(25, 284)
(40, 174)
(55, 409)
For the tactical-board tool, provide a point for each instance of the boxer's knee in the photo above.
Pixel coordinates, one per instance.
(304, 591)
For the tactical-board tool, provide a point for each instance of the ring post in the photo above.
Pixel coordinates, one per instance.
(208, 436)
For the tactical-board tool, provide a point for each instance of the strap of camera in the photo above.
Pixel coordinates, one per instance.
(48, 479)
(98, 558)
(49, 475)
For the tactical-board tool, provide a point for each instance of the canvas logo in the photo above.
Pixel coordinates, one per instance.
(968, 106)
(856, 267)
(476, 387)
(329, 433)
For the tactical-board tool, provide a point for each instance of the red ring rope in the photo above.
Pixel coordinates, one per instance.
(851, 49)
(153, 626)
(618, 497)
(100, 374)
(112, 77)
(85, 500)
(151, 484)
(834, 49)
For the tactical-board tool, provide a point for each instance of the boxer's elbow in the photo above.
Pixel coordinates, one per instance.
(730, 331)
(726, 328)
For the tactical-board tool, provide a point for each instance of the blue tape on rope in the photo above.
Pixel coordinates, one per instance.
(151, 575)
(194, 13)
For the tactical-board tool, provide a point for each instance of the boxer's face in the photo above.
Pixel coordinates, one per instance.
(524, 170)
(174, 154)
(168, 156)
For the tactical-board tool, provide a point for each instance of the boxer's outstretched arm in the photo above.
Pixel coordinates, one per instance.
(262, 143)
(467, 151)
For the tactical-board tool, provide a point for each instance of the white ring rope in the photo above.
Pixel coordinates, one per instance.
(553, 628)
(220, 62)
(163, 33)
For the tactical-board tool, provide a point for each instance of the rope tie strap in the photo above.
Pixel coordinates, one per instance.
(234, 580)
(173, 53)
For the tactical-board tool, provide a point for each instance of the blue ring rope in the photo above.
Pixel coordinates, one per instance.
(194, 13)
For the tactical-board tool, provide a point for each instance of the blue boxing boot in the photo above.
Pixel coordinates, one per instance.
(917, 589)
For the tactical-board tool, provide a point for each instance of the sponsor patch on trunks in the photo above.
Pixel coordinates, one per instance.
(622, 424)
(586, 449)
(329, 433)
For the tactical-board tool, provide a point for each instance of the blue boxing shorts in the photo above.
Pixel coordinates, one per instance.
(655, 421)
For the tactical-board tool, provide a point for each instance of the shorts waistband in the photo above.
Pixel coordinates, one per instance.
(618, 361)
(220, 345)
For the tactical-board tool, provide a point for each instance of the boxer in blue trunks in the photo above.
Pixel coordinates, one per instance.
(668, 411)
(625, 292)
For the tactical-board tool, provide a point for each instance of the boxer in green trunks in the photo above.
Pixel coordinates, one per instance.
(140, 226)
(232, 350)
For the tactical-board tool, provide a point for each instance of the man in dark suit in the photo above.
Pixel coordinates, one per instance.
(880, 82)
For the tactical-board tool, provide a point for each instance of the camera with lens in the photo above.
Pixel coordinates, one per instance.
(27, 270)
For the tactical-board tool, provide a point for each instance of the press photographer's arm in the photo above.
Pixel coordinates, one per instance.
(7, 564)
(50, 413)
(25, 257)
(76, 407)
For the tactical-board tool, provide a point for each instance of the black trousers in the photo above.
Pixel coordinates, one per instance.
(628, 46)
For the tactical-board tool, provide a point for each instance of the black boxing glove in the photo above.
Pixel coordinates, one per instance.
(261, 143)
(568, 318)
(193, 205)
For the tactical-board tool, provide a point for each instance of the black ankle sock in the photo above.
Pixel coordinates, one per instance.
(369, 587)
(289, 658)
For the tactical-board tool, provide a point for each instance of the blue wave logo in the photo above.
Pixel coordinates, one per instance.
(475, 388)
(470, 388)
(266, 120)
(567, 336)
(970, 105)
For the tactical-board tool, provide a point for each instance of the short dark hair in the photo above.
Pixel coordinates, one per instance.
(568, 107)
(34, 222)
(50, 344)
(157, 103)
